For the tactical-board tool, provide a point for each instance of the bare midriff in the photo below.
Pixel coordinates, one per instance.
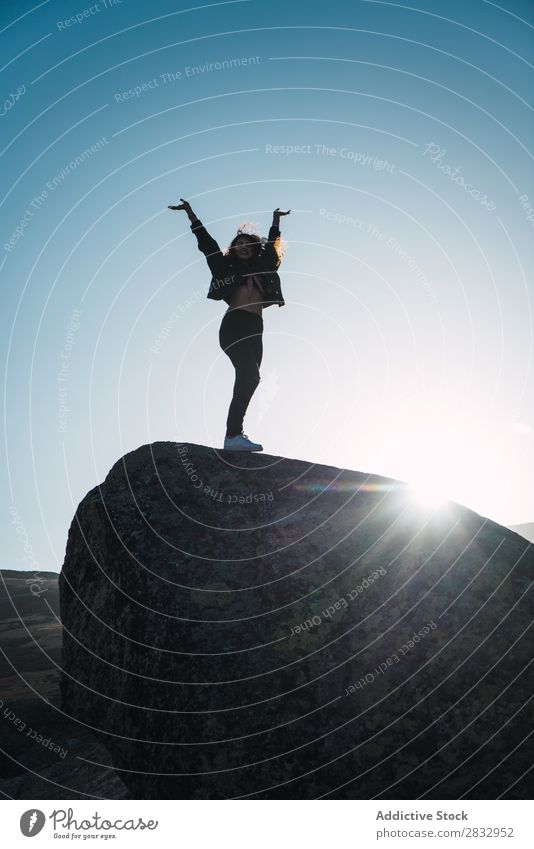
(242, 300)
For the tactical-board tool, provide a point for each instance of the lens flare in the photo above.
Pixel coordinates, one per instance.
(426, 494)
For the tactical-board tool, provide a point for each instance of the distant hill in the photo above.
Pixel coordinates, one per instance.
(25, 574)
(40, 747)
(526, 530)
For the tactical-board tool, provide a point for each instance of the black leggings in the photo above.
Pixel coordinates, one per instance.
(240, 336)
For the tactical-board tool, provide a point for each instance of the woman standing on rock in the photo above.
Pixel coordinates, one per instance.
(245, 277)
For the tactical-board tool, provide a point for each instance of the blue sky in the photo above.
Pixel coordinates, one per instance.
(398, 136)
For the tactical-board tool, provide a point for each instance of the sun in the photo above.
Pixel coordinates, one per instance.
(427, 494)
(441, 462)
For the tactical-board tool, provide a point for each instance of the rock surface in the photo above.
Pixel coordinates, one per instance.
(43, 753)
(254, 626)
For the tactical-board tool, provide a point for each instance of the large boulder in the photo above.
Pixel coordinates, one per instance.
(254, 626)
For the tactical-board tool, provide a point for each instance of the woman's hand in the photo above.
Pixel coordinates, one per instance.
(186, 206)
(276, 215)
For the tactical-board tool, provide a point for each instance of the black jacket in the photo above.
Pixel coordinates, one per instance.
(228, 275)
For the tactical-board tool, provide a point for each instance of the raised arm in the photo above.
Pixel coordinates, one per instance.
(206, 243)
(274, 233)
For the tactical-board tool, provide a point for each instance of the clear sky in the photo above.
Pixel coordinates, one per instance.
(400, 137)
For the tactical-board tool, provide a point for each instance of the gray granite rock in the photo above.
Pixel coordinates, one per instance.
(255, 626)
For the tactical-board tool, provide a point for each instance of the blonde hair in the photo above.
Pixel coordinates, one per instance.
(249, 228)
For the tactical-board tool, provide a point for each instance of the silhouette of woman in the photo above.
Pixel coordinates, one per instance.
(245, 277)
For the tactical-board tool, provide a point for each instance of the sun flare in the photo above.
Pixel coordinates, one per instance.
(427, 494)
(442, 463)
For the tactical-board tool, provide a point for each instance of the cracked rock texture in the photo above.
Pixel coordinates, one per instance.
(256, 626)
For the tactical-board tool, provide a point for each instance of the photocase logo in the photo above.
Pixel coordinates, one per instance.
(31, 822)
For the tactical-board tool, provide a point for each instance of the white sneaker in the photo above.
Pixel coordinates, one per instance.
(241, 442)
